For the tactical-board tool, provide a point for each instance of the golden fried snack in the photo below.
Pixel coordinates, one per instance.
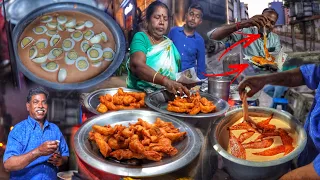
(102, 108)
(192, 105)
(103, 130)
(103, 146)
(141, 140)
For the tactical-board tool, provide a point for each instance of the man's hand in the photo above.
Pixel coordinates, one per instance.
(47, 148)
(56, 159)
(174, 86)
(255, 83)
(257, 20)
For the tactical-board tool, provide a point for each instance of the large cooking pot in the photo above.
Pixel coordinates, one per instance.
(100, 15)
(243, 169)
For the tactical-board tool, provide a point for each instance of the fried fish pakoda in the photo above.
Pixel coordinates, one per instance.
(121, 101)
(141, 140)
(191, 105)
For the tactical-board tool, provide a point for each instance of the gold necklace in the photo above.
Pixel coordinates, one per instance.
(153, 41)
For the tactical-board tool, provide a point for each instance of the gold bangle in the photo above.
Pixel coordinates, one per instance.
(154, 76)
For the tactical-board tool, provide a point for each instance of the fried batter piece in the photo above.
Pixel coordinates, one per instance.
(141, 140)
(192, 105)
(120, 101)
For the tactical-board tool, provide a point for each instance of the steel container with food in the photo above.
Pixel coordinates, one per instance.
(266, 170)
(188, 148)
(68, 46)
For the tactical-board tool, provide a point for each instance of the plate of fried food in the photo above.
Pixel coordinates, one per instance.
(136, 143)
(113, 99)
(198, 105)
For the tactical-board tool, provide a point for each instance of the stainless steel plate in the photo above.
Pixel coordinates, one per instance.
(18, 9)
(158, 101)
(107, 20)
(188, 148)
(91, 100)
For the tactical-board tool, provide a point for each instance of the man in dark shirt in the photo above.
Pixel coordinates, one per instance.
(189, 43)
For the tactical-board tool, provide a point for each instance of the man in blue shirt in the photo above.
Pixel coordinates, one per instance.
(189, 43)
(33, 150)
(309, 159)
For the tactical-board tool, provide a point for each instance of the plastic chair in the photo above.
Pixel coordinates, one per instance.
(280, 101)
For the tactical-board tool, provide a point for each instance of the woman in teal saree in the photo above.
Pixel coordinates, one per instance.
(154, 60)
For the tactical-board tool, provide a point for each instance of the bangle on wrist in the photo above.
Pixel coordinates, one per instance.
(154, 77)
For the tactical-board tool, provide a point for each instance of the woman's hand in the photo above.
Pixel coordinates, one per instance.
(174, 86)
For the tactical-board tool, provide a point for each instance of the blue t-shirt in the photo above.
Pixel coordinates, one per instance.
(28, 135)
(311, 75)
(191, 49)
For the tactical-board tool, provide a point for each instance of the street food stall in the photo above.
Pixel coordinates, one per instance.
(125, 133)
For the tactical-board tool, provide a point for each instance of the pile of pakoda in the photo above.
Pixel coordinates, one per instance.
(121, 100)
(141, 140)
(264, 60)
(192, 105)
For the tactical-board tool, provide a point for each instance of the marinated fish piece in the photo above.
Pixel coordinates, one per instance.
(245, 135)
(272, 151)
(258, 144)
(236, 147)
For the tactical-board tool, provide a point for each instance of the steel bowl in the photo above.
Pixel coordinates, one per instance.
(188, 148)
(57, 7)
(91, 100)
(18, 9)
(244, 169)
(158, 101)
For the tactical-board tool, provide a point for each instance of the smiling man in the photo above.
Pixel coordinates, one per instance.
(254, 25)
(33, 150)
(189, 43)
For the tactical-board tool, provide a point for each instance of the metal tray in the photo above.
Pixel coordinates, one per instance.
(91, 100)
(18, 9)
(188, 148)
(158, 101)
(78, 7)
